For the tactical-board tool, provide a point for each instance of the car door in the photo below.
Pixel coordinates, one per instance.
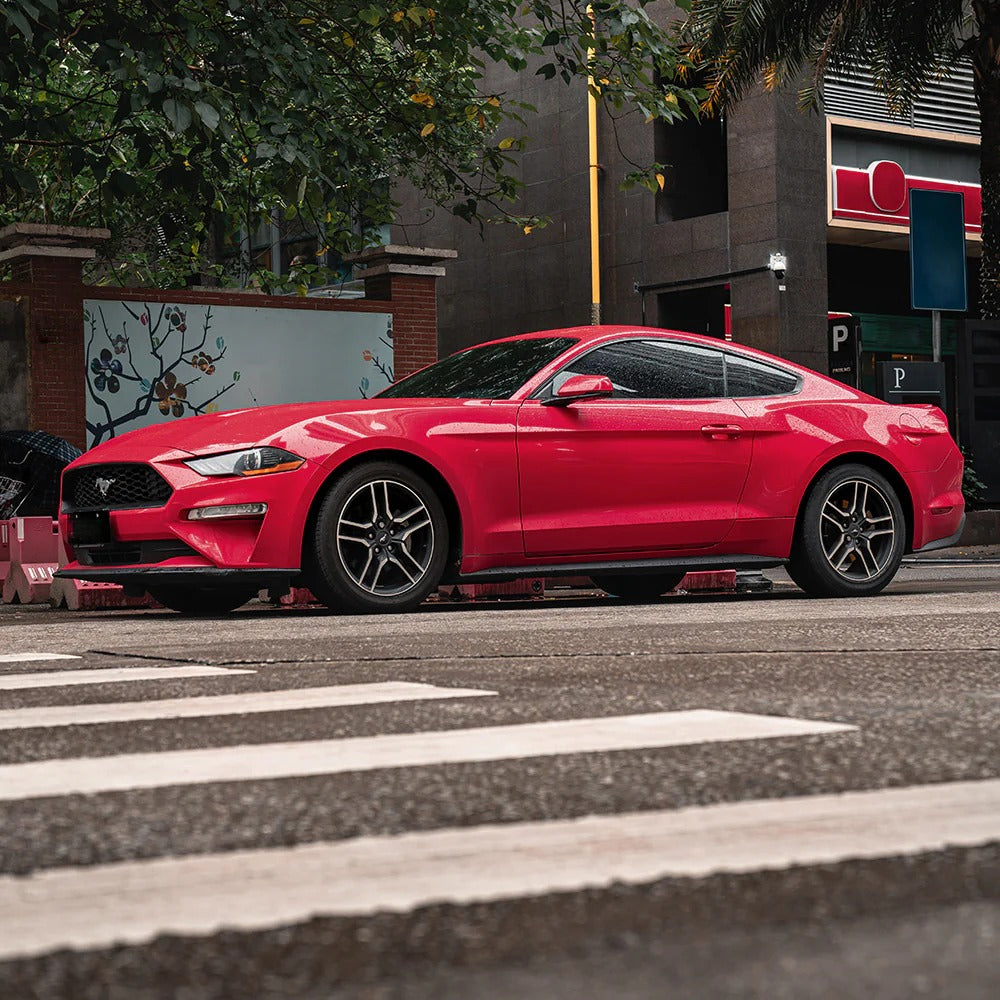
(659, 465)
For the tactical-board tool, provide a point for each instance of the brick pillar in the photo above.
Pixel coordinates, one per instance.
(48, 261)
(407, 278)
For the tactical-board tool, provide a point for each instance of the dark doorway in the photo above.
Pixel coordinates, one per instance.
(697, 310)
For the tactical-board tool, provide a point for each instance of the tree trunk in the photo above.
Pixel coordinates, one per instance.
(985, 52)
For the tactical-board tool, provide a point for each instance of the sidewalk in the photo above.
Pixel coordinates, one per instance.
(958, 553)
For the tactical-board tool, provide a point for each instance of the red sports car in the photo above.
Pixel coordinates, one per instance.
(625, 454)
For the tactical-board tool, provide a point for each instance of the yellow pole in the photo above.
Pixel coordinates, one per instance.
(595, 229)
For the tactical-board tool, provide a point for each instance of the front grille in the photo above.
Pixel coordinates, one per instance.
(113, 487)
(132, 553)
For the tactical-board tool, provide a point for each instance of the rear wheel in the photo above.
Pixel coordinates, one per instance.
(202, 602)
(381, 540)
(638, 588)
(851, 534)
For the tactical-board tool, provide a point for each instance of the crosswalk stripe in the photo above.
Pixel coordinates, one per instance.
(29, 657)
(299, 759)
(231, 704)
(110, 675)
(132, 902)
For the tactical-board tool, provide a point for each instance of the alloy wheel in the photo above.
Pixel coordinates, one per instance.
(385, 538)
(857, 530)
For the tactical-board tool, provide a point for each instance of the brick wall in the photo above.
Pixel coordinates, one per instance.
(56, 401)
(414, 301)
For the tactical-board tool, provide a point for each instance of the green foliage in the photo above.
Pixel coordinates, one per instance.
(904, 43)
(973, 488)
(171, 122)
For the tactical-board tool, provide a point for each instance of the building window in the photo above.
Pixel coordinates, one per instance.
(695, 182)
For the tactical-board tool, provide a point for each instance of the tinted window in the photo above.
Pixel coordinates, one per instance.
(751, 378)
(492, 371)
(652, 369)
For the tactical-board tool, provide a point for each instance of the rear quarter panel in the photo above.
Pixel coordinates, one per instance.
(796, 437)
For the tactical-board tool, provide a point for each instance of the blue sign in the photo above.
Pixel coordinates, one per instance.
(937, 250)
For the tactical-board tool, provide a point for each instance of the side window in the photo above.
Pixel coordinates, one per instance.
(745, 377)
(652, 369)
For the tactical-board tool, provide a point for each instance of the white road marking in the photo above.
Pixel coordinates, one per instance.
(230, 704)
(28, 657)
(109, 675)
(132, 902)
(292, 760)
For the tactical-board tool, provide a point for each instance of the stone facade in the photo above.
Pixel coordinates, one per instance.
(773, 168)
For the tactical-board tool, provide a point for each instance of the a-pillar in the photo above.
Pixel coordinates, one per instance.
(46, 263)
(407, 278)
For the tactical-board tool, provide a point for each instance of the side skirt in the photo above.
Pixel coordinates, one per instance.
(637, 567)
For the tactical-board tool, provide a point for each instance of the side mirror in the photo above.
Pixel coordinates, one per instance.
(578, 387)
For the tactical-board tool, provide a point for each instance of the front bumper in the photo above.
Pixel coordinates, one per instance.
(161, 543)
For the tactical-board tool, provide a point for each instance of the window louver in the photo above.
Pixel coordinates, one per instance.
(947, 105)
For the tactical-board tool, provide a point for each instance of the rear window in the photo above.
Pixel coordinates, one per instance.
(745, 377)
(490, 371)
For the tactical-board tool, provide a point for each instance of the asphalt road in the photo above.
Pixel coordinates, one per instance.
(713, 796)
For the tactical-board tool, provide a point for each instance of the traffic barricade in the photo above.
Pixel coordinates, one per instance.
(34, 557)
(85, 595)
(295, 597)
(4, 553)
(524, 588)
(715, 579)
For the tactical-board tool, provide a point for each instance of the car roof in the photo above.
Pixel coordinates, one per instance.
(595, 334)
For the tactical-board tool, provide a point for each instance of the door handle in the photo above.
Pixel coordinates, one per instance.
(722, 432)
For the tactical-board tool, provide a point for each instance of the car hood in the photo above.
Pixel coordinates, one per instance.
(235, 429)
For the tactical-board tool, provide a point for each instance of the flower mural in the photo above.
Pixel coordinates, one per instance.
(385, 368)
(203, 362)
(162, 332)
(176, 318)
(106, 371)
(148, 362)
(170, 395)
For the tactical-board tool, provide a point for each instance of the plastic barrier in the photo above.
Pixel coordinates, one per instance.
(34, 557)
(4, 553)
(82, 595)
(512, 590)
(716, 579)
(296, 597)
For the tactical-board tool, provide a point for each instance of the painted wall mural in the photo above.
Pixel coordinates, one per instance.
(151, 362)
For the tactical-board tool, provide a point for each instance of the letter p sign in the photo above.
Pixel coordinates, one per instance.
(838, 335)
(899, 374)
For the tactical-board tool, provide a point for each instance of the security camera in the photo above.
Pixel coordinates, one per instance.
(778, 264)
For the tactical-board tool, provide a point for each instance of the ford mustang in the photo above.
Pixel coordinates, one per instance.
(625, 454)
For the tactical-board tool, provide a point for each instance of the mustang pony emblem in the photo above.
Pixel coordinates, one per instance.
(103, 485)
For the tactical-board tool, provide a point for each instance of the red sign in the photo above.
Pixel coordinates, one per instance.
(880, 195)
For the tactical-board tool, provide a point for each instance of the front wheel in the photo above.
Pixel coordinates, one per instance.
(381, 540)
(638, 588)
(202, 602)
(851, 535)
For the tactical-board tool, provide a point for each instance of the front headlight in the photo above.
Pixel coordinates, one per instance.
(252, 462)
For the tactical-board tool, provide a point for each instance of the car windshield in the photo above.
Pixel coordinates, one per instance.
(491, 371)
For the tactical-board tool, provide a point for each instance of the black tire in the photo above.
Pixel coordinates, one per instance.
(851, 534)
(202, 602)
(638, 587)
(390, 564)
